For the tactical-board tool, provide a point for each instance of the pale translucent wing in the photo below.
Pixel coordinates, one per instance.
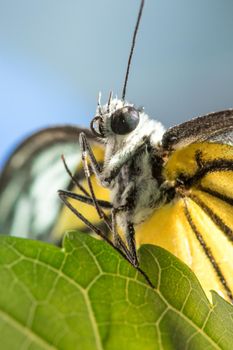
(29, 204)
(225, 137)
(197, 225)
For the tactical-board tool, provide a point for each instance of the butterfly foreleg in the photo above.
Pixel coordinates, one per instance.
(87, 152)
(105, 177)
(109, 173)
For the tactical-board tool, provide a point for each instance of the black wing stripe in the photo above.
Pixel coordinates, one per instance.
(214, 217)
(208, 252)
(216, 194)
(209, 167)
(37, 142)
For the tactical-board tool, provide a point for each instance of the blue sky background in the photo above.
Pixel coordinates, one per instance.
(55, 56)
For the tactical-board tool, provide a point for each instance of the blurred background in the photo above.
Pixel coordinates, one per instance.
(56, 55)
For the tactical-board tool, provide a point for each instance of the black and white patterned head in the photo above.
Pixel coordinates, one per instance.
(121, 121)
(117, 117)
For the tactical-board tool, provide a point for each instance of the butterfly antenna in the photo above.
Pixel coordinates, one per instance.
(109, 101)
(132, 49)
(99, 104)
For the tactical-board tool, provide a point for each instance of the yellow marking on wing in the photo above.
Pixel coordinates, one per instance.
(219, 243)
(223, 210)
(169, 228)
(219, 181)
(184, 160)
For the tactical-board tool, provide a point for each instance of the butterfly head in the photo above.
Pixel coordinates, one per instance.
(116, 118)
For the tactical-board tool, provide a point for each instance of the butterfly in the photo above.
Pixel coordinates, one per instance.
(133, 179)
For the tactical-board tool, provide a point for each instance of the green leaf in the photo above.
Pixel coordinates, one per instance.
(86, 296)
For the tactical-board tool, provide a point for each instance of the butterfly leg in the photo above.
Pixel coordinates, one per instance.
(85, 151)
(115, 164)
(129, 251)
(73, 178)
(64, 195)
(120, 246)
(105, 181)
(87, 200)
(130, 237)
(117, 241)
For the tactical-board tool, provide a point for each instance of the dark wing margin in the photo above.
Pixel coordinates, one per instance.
(213, 127)
(29, 204)
(37, 142)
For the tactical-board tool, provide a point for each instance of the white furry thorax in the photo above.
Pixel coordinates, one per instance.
(121, 153)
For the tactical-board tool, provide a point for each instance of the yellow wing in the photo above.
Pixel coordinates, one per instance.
(197, 226)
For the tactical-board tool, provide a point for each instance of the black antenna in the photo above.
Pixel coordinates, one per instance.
(132, 48)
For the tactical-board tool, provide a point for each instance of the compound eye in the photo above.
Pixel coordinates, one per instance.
(124, 120)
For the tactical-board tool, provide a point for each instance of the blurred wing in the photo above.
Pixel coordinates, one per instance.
(29, 204)
(197, 225)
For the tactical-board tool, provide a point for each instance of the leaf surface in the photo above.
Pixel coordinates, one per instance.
(86, 296)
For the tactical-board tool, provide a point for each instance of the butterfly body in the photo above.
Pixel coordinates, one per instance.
(129, 162)
(151, 172)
